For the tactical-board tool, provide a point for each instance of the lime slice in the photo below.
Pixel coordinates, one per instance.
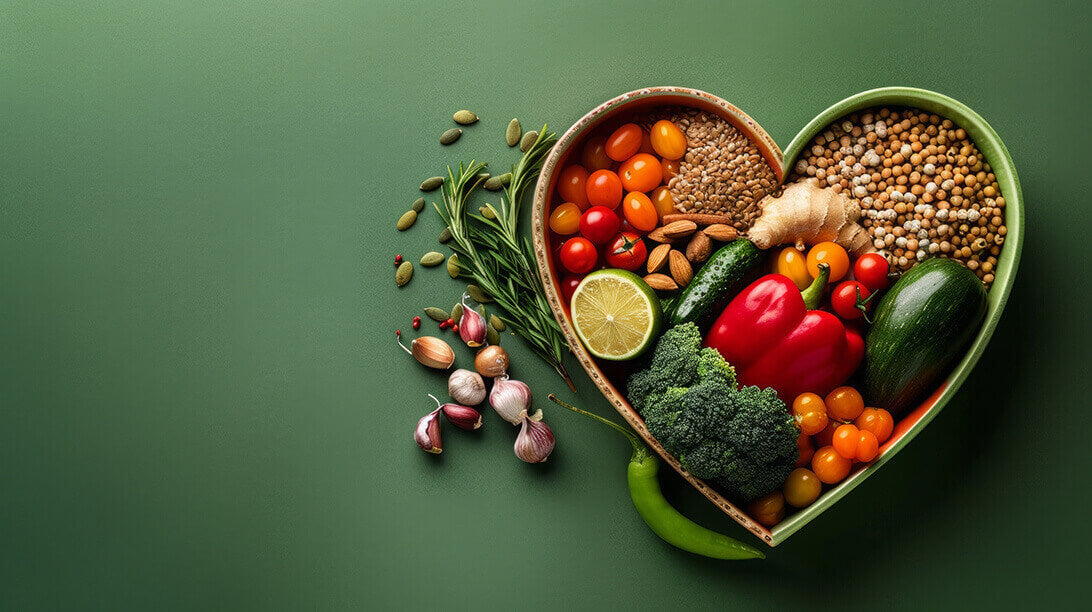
(616, 314)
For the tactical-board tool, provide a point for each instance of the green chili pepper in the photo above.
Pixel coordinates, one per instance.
(658, 514)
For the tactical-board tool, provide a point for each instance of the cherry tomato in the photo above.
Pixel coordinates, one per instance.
(624, 142)
(802, 488)
(640, 212)
(569, 283)
(768, 509)
(829, 466)
(594, 156)
(604, 189)
(565, 219)
(642, 172)
(845, 440)
(830, 254)
(670, 169)
(844, 404)
(825, 437)
(662, 200)
(572, 185)
(810, 413)
(878, 421)
(646, 143)
(578, 255)
(867, 446)
(871, 269)
(846, 298)
(793, 263)
(598, 224)
(804, 450)
(668, 140)
(627, 251)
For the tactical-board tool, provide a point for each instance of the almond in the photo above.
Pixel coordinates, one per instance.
(721, 232)
(657, 235)
(697, 251)
(679, 229)
(680, 268)
(658, 257)
(661, 282)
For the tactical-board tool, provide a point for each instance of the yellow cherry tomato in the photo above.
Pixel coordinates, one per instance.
(802, 487)
(668, 140)
(792, 263)
(830, 254)
(662, 200)
(829, 466)
(565, 219)
(769, 509)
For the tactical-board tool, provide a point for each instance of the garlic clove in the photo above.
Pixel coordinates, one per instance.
(510, 398)
(466, 387)
(535, 441)
(472, 327)
(463, 417)
(430, 351)
(491, 361)
(427, 433)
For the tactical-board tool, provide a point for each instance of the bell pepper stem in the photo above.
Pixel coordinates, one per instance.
(814, 292)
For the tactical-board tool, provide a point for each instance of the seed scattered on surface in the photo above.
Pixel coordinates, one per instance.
(492, 336)
(528, 141)
(497, 323)
(407, 220)
(431, 184)
(456, 312)
(450, 136)
(403, 274)
(477, 294)
(436, 314)
(418, 205)
(512, 134)
(487, 212)
(431, 259)
(445, 235)
(465, 117)
(453, 266)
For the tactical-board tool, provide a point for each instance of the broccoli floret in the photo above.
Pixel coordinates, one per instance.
(743, 440)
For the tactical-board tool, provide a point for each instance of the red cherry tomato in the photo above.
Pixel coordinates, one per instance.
(640, 212)
(604, 189)
(848, 298)
(594, 157)
(627, 251)
(642, 172)
(624, 142)
(578, 255)
(569, 283)
(572, 185)
(598, 224)
(871, 269)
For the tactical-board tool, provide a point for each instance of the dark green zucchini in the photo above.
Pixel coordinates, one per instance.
(716, 282)
(921, 328)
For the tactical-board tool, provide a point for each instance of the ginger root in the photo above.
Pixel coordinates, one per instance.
(806, 214)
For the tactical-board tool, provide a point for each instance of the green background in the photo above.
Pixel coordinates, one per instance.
(202, 404)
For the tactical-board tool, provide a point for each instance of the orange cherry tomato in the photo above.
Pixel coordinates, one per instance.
(662, 200)
(670, 169)
(646, 143)
(641, 172)
(810, 413)
(844, 404)
(829, 466)
(640, 212)
(878, 421)
(668, 140)
(802, 487)
(624, 142)
(830, 254)
(867, 446)
(572, 185)
(793, 263)
(825, 437)
(604, 189)
(769, 509)
(804, 450)
(807, 402)
(594, 156)
(565, 219)
(845, 440)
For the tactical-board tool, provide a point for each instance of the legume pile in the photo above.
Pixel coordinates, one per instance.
(924, 188)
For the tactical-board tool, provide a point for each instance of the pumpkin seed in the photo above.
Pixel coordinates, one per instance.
(450, 136)
(493, 184)
(404, 274)
(453, 266)
(528, 141)
(457, 313)
(436, 314)
(477, 294)
(512, 134)
(506, 179)
(487, 212)
(418, 205)
(407, 220)
(465, 117)
(497, 323)
(445, 235)
(431, 184)
(491, 335)
(432, 258)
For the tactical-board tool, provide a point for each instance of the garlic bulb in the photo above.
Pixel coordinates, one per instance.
(535, 441)
(510, 398)
(466, 387)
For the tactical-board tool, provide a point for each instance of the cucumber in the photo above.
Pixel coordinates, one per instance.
(921, 328)
(716, 282)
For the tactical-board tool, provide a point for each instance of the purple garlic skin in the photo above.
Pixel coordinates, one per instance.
(463, 417)
(471, 326)
(427, 433)
(535, 441)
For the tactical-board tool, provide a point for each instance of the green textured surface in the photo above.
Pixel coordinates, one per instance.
(201, 403)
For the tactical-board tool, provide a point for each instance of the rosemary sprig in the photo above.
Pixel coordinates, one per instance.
(498, 259)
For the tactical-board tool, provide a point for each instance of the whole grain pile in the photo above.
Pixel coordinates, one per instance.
(923, 187)
(722, 173)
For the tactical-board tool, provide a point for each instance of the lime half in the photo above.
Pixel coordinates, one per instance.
(616, 314)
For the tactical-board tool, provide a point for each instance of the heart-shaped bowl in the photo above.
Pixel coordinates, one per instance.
(605, 375)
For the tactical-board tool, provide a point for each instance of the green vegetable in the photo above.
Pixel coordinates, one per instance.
(743, 440)
(664, 520)
(716, 282)
(920, 328)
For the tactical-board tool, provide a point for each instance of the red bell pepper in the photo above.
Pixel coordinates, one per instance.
(773, 336)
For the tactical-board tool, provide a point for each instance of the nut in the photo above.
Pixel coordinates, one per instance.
(658, 257)
(661, 282)
(657, 235)
(681, 270)
(679, 229)
(697, 251)
(721, 232)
